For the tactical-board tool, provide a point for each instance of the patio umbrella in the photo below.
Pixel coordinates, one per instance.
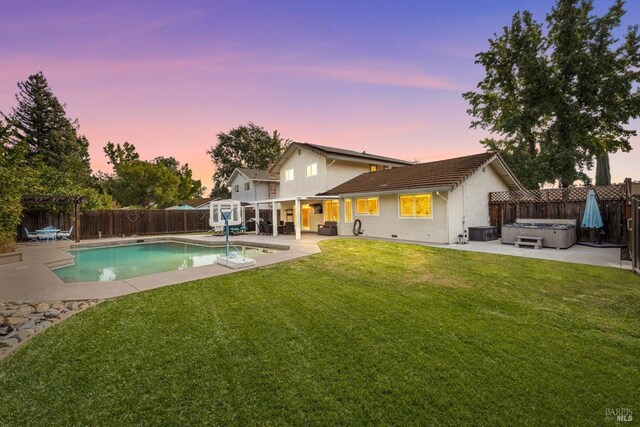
(591, 217)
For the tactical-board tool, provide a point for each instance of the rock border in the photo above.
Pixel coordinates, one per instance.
(22, 320)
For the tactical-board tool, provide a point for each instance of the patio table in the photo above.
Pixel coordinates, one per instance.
(48, 230)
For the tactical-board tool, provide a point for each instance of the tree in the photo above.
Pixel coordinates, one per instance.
(42, 125)
(188, 188)
(247, 146)
(558, 101)
(159, 183)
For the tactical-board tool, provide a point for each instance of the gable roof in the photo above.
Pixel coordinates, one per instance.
(338, 154)
(440, 175)
(194, 203)
(255, 175)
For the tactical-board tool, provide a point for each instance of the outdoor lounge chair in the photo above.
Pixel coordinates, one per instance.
(289, 228)
(33, 237)
(64, 235)
(329, 228)
(265, 228)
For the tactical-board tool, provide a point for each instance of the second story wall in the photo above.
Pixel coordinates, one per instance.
(301, 184)
(257, 190)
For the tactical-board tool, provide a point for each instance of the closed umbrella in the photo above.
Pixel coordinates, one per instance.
(592, 217)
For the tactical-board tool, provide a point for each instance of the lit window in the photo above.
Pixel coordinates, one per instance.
(312, 169)
(348, 211)
(236, 188)
(373, 168)
(288, 175)
(331, 209)
(415, 206)
(368, 206)
(247, 186)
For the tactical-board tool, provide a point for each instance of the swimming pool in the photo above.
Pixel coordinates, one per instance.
(128, 261)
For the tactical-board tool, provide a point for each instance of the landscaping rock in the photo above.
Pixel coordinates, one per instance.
(11, 321)
(23, 311)
(6, 312)
(42, 325)
(2, 307)
(26, 324)
(57, 305)
(42, 307)
(25, 333)
(16, 302)
(52, 312)
(6, 330)
(72, 305)
(11, 342)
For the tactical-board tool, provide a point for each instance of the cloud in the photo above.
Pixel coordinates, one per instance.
(371, 72)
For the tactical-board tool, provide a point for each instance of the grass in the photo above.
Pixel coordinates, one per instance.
(364, 333)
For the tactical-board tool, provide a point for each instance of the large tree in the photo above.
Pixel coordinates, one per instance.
(247, 146)
(159, 183)
(559, 100)
(42, 125)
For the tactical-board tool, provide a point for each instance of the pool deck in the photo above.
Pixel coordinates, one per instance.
(32, 278)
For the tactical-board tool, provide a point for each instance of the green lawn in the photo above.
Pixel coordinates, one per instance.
(364, 333)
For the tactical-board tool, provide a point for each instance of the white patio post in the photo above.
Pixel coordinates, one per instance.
(256, 211)
(274, 219)
(298, 219)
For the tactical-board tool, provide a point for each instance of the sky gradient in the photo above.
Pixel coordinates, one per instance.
(385, 77)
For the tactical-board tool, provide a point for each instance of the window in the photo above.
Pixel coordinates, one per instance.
(368, 206)
(288, 175)
(312, 169)
(331, 209)
(247, 186)
(236, 188)
(415, 206)
(373, 168)
(348, 211)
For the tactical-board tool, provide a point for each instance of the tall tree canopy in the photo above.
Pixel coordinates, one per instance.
(562, 99)
(160, 183)
(247, 146)
(43, 127)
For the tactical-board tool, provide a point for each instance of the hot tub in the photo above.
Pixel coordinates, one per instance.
(555, 233)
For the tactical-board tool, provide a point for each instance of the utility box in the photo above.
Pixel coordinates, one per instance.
(483, 234)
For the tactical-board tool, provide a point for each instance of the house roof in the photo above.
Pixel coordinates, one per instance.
(194, 203)
(255, 175)
(339, 154)
(443, 174)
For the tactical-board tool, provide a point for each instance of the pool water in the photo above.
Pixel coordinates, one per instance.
(128, 261)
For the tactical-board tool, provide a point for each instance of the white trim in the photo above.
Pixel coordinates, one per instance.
(292, 175)
(313, 174)
(344, 204)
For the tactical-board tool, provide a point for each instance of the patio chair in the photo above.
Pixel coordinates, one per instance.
(44, 237)
(289, 228)
(64, 235)
(264, 228)
(33, 237)
(329, 228)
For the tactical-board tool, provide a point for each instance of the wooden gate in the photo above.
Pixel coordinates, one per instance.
(635, 234)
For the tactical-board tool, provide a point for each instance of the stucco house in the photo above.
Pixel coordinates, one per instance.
(307, 170)
(249, 185)
(430, 202)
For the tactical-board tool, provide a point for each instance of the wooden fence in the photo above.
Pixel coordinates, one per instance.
(635, 238)
(565, 203)
(114, 223)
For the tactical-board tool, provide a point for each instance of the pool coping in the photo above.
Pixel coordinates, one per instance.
(32, 279)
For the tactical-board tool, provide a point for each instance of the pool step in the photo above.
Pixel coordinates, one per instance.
(528, 241)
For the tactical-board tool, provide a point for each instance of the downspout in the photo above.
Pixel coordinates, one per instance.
(446, 216)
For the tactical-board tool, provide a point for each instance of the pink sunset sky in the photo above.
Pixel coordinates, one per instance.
(385, 77)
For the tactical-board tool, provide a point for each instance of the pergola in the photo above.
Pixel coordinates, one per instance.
(76, 201)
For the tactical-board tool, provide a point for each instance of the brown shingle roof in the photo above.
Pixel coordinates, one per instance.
(259, 174)
(439, 174)
(339, 153)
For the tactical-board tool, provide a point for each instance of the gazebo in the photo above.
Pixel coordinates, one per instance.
(76, 201)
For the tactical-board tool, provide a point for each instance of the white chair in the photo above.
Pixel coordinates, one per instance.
(43, 237)
(64, 235)
(33, 237)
